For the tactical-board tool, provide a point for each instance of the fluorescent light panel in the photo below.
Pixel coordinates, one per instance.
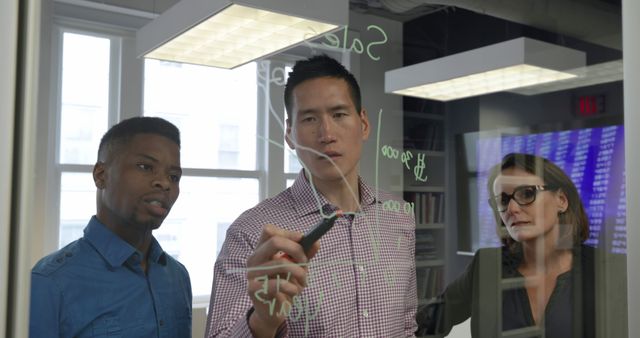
(488, 82)
(227, 34)
(505, 66)
(238, 35)
(587, 76)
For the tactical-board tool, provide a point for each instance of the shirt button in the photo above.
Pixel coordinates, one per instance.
(365, 313)
(161, 322)
(361, 268)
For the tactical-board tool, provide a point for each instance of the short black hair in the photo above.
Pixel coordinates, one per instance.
(125, 130)
(315, 67)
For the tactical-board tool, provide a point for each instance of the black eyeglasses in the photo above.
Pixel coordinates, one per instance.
(523, 195)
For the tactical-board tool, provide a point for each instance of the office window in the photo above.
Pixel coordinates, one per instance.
(85, 96)
(195, 229)
(84, 108)
(229, 151)
(77, 204)
(216, 111)
(291, 163)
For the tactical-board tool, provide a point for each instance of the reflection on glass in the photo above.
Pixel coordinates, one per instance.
(195, 229)
(215, 110)
(85, 96)
(77, 205)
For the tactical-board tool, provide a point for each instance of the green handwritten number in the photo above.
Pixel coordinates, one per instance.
(390, 152)
(396, 206)
(406, 157)
(408, 208)
(391, 205)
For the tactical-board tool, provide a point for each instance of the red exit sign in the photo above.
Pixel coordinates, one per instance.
(589, 105)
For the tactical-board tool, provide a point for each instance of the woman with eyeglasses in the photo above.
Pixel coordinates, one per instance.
(542, 279)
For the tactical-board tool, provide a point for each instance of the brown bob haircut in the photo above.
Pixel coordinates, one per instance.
(574, 217)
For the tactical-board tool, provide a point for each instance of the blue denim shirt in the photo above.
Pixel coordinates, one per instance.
(95, 287)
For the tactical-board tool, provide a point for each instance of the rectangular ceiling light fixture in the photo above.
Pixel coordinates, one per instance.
(230, 33)
(610, 71)
(503, 66)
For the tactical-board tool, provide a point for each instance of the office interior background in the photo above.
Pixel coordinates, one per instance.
(72, 69)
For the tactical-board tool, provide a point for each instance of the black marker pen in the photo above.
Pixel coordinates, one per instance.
(318, 231)
(314, 234)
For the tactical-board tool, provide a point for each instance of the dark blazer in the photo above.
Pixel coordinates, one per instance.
(492, 275)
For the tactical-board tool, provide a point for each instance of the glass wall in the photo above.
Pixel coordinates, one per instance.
(558, 194)
(540, 241)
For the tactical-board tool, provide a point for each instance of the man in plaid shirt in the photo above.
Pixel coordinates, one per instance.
(359, 279)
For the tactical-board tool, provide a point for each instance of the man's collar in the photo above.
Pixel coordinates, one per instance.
(303, 192)
(114, 249)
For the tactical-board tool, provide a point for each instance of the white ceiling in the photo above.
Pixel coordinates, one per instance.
(596, 21)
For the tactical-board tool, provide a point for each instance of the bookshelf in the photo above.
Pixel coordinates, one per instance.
(424, 137)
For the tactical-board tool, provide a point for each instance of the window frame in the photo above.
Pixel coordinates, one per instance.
(118, 109)
(55, 168)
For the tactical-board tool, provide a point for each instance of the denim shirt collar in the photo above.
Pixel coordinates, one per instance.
(114, 249)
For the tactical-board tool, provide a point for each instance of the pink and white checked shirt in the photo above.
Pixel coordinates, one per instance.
(361, 282)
